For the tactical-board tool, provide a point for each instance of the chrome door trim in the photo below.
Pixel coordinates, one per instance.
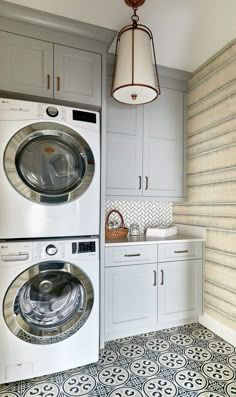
(36, 130)
(20, 328)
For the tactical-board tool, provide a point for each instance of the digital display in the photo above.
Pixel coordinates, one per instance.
(79, 115)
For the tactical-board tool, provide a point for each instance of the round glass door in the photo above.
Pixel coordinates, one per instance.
(49, 163)
(48, 302)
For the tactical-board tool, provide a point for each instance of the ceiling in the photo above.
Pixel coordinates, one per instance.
(186, 32)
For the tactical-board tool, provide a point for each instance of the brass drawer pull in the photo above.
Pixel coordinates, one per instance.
(48, 81)
(162, 277)
(140, 183)
(181, 252)
(129, 255)
(155, 278)
(58, 83)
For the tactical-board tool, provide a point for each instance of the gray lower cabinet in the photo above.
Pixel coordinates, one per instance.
(130, 290)
(151, 287)
(131, 300)
(36, 67)
(145, 147)
(179, 291)
(26, 65)
(179, 282)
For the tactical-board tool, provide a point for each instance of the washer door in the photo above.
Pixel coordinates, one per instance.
(49, 163)
(48, 302)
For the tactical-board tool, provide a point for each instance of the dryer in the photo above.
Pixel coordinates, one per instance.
(49, 294)
(49, 170)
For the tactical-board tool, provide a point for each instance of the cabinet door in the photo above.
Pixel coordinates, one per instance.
(179, 290)
(26, 65)
(130, 300)
(77, 75)
(123, 148)
(163, 145)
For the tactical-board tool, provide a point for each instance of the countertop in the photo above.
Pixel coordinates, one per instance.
(143, 239)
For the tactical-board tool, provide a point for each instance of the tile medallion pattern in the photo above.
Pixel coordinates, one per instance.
(186, 361)
(145, 213)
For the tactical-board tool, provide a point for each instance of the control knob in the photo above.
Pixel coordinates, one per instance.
(51, 249)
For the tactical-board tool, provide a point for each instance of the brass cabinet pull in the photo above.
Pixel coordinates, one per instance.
(162, 277)
(181, 252)
(155, 278)
(146, 187)
(58, 83)
(48, 81)
(129, 255)
(140, 183)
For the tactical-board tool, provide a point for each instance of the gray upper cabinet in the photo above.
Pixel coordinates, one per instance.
(163, 145)
(26, 65)
(145, 147)
(36, 67)
(123, 148)
(77, 75)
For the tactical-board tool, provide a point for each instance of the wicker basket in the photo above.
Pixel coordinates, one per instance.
(116, 233)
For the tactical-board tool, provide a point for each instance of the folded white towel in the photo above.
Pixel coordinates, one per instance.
(161, 231)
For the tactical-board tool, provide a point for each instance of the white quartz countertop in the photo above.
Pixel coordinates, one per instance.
(143, 239)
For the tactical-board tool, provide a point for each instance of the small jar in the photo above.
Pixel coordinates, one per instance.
(134, 229)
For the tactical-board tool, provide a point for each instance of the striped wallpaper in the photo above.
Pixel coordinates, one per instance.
(211, 178)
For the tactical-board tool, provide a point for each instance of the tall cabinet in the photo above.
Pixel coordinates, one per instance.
(145, 156)
(163, 145)
(124, 148)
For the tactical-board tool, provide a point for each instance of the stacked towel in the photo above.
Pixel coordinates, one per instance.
(161, 231)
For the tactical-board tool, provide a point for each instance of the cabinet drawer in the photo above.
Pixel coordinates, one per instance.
(125, 255)
(179, 251)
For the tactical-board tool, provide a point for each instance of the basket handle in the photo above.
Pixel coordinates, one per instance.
(121, 217)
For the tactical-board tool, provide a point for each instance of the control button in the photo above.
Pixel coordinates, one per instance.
(51, 249)
(74, 248)
(52, 111)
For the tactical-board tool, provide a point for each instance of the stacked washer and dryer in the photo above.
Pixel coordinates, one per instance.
(49, 238)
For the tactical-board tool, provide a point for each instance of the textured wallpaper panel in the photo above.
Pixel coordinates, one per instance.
(145, 213)
(211, 178)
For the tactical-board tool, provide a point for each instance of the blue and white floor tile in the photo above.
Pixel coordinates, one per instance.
(187, 361)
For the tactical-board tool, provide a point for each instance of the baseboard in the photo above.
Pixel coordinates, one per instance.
(219, 329)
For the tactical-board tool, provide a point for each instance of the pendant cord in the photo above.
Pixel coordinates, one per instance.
(135, 17)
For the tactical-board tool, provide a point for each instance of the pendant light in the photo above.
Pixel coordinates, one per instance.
(135, 76)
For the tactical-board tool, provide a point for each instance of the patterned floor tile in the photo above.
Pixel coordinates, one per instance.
(186, 361)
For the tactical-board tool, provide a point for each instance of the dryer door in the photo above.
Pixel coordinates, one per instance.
(48, 302)
(49, 163)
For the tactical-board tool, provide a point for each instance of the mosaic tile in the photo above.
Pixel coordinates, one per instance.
(145, 213)
(186, 361)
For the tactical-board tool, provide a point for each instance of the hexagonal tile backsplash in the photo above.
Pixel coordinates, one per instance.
(145, 213)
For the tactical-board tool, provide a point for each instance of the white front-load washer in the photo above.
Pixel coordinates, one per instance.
(49, 294)
(49, 170)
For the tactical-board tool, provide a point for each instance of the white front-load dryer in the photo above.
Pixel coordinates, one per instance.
(49, 170)
(49, 295)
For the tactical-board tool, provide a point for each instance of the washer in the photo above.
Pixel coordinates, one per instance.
(49, 170)
(49, 293)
